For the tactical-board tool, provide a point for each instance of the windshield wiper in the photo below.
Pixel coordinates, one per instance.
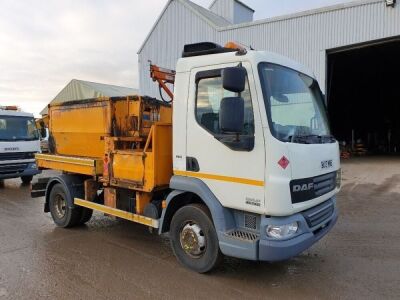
(329, 137)
(312, 139)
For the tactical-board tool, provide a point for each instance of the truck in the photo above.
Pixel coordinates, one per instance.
(19, 142)
(236, 160)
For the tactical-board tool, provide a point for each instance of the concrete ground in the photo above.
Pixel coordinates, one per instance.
(107, 258)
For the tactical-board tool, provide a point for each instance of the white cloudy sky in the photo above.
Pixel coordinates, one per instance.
(46, 43)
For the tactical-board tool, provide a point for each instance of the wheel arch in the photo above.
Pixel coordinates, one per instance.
(187, 190)
(73, 186)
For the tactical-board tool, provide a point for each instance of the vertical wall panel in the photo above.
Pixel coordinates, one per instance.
(302, 37)
(224, 8)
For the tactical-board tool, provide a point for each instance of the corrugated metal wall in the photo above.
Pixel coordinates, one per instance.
(241, 14)
(177, 27)
(224, 8)
(305, 38)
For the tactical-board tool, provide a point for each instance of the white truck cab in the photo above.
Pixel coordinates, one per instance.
(19, 141)
(252, 140)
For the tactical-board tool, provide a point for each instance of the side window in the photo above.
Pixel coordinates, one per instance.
(208, 100)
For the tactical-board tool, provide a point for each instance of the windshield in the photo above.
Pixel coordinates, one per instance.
(14, 128)
(294, 105)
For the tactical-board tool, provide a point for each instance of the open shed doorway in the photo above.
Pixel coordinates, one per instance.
(363, 93)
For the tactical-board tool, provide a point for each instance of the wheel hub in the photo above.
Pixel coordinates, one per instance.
(60, 206)
(192, 240)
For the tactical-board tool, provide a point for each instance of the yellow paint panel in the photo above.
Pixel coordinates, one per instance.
(79, 129)
(128, 165)
(220, 178)
(162, 153)
(76, 165)
(118, 213)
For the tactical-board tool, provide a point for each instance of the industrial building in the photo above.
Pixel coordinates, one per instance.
(352, 48)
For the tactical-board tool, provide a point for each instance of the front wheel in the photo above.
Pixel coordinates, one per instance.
(26, 179)
(194, 239)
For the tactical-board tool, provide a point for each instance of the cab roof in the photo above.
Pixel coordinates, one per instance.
(15, 113)
(254, 57)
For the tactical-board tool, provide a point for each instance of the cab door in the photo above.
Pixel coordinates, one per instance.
(234, 171)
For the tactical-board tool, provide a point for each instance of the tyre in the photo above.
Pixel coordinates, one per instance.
(86, 215)
(194, 239)
(26, 179)
(62, 214)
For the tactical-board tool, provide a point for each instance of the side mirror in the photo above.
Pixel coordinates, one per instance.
(43, 132)
(231, 115)
(234, 79)
(42, 129)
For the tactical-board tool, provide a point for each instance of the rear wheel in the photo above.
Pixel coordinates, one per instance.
(26, 179)
(194, 239)
(62, 214)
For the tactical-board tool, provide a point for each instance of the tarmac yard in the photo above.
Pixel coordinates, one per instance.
(108, 258)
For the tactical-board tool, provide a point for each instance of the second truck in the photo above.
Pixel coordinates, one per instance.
(19, 142)
(241, 164)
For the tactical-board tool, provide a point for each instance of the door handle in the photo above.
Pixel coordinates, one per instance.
(192, 164)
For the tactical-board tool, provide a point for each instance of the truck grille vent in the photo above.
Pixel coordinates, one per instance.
(306, 189)
(16, 155)
(324, 184)
(319, 214)
(12, 169)
(250, 221)
(243, 235)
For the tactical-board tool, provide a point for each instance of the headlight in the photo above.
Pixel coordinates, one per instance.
(339, 178)
(282, 231)
(33, 166)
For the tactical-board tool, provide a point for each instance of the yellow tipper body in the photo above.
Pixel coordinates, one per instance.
(122, 142)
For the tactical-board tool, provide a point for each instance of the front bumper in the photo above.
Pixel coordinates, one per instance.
(273, 250)
(7, 172)
(265, 248)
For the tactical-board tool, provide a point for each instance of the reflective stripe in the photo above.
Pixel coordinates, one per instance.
(66, 159)
(117, 213)
(220, 178)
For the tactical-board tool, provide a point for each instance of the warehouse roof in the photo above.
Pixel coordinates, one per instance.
(211, 18)
(238, 1)
(208, 14)
(221, 24)
(305, 13)
(81, 90)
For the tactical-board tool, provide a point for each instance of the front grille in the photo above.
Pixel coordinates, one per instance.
(324, 184)
(250, 221)
(318, 214)
(306, 189)
(243, 235)
(16, 155)
(12, 169)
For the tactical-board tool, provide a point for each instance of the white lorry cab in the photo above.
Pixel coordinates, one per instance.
(252, 138)
(19, 141)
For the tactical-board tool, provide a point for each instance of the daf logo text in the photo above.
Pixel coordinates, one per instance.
(303, 187)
